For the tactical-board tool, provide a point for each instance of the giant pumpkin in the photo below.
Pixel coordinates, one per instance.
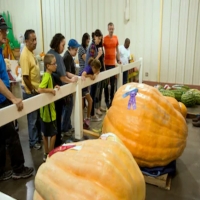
(154, 132)
(102, 169)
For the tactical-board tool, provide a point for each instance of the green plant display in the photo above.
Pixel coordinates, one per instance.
(14, 44)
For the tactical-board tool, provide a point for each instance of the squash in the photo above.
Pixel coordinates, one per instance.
(93, 169)
(183, 109)
(179, 106)
(174, 102)
(155, 132)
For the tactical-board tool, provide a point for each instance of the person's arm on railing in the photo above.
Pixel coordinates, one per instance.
(6, 92)
(70, 75)
(48, 90)
(65, 79)
(85, 75)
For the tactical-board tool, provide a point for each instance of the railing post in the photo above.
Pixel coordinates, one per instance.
(120, 76)
(78, 111)
(141, 70)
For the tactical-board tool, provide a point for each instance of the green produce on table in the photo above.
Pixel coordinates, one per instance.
(167, 93)
(188, 99)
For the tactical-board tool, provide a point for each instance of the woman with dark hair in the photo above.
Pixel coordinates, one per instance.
(59, 78)
(83, 50)
(96, 53)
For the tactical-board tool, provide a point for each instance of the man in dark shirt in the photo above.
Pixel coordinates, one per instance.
(70, 72)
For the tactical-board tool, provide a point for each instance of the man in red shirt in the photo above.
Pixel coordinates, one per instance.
(110, 44)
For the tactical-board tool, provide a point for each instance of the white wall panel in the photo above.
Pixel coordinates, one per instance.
(153, 76)
(191, 40)
(182, 36)
(148, 14)
(165, 40)
(83, 18)
(180, 30)
(173, 41)
(24, 15)
(196, 72)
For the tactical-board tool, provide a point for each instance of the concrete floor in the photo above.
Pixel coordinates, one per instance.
(185, 185)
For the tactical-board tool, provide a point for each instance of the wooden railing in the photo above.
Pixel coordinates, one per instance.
(10, 113)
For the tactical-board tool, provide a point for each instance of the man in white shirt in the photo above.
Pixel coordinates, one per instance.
(124, 53)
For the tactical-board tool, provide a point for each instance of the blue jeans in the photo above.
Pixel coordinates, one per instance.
(66, 114)
(34, 128)
(125, 77)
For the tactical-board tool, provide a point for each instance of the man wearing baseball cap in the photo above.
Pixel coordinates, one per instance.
(70, 68)
(8, 136)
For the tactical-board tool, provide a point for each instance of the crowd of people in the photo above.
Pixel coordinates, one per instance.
(54, 119)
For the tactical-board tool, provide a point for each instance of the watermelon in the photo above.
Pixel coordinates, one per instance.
(167, 93)
(178, 93)
(197, 97)
(188, 99)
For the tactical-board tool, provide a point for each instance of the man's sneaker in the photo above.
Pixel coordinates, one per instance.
(103, 109)
(72, 130)
(98, 112)
(68, 133)
(36, 146)
(95, 119)
(45, 157)
(6, 175)
(27, 172)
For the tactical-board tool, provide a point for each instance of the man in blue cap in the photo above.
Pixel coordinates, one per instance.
(70, 67)
(8, 136)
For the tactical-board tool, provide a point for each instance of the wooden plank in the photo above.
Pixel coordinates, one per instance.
(163, 181)
(88, 132)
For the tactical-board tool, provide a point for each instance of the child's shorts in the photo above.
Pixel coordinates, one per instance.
(85, 91)
(49, 129)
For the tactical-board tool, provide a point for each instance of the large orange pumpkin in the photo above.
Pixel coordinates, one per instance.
(96, 169)
(154, 132)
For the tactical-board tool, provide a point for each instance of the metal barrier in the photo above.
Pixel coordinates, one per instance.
(10, 113)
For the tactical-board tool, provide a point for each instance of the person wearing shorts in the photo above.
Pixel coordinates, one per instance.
(91, 71)
(48, 112)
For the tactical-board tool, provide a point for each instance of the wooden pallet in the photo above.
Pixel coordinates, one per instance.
(91, 133)
(163, 181)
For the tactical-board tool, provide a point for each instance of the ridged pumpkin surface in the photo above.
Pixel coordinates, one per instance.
(101, 169)
(154, 132)
(183, 109)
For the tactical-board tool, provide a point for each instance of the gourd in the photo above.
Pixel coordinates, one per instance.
(183, 109)
(155, 132)
(174, 102)
(93, 169)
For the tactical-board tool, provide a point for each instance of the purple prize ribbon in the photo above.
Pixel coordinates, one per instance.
(132, 100)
